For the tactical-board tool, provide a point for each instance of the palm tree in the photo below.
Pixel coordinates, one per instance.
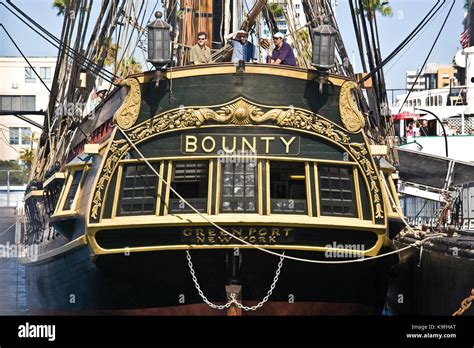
(129, 66)
(112, 51)
(276, 9)
(373, 6)
(60, 6)
(27, 155)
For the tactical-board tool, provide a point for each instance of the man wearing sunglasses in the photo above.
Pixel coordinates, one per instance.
(283, 53)
(200, 53)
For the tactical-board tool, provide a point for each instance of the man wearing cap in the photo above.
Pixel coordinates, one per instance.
(283, 53)
(243, 49)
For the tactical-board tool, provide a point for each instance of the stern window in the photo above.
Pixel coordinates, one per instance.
(138, 196)
(190, 180)
(239, 188)
(288, 188)
(337, 191)
(73, 190)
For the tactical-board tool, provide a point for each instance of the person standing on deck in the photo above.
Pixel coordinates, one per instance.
(243, 49)
(283, 53)
(200, 53)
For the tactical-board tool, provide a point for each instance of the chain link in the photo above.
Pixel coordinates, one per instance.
(233, 300)
(465, 304)
(198, 287)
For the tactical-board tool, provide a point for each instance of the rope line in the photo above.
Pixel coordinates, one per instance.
(256, 246)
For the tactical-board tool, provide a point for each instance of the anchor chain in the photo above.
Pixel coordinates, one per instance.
(465, 304)
(232, 296)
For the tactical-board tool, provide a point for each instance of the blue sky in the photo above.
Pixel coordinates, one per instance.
(392, 30)
(406, 15)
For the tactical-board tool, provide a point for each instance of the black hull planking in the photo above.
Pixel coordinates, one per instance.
(142, 283)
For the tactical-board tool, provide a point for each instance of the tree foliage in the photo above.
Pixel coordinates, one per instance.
(373, 6)
(27, 155)
(276, 9)
(18, 174)
(60, 6)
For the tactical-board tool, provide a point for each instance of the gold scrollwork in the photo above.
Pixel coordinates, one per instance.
(239, 112)
(126, 116)
(115, 152)
(351, 117)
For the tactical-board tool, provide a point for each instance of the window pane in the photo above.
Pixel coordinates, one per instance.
(72, 191)
(29, 103)
(238, 188)
(190, 180)
(6, 103)
(336, 184)
(45, 74)
(29, 75)
(138, 194)
(14, 135)
(25, 136)
(16, 103)
(288, 187)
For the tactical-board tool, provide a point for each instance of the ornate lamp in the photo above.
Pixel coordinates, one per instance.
(324, 44)
(159, 42)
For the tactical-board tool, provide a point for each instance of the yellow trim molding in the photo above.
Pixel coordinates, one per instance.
(229, 68)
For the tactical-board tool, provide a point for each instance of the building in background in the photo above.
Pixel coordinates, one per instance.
(20, 90)
(294, 7)
(439, 76)
(411, 78)
(432, 77)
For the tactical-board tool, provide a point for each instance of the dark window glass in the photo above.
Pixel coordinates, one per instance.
(336, 185)
(190, 180)
(239, 188)
(138, 195)
(72, 191)
(288, 187)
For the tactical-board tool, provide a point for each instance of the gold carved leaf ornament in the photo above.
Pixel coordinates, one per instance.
(126, 116)
(351, 117)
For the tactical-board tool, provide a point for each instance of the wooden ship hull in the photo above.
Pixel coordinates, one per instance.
(433, 280)
(259, 151)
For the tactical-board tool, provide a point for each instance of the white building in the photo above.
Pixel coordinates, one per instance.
(22, 90)
(293, 7)
(411, 78)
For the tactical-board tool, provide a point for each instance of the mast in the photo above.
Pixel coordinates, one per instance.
(196, 17)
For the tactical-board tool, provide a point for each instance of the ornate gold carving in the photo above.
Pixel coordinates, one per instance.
(116, 151)
(240, 112)
(351, 118)
(126, 116)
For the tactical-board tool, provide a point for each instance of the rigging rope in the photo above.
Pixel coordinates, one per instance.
(58, 43)
(428, 55)
(427, 19)
(24, 57)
